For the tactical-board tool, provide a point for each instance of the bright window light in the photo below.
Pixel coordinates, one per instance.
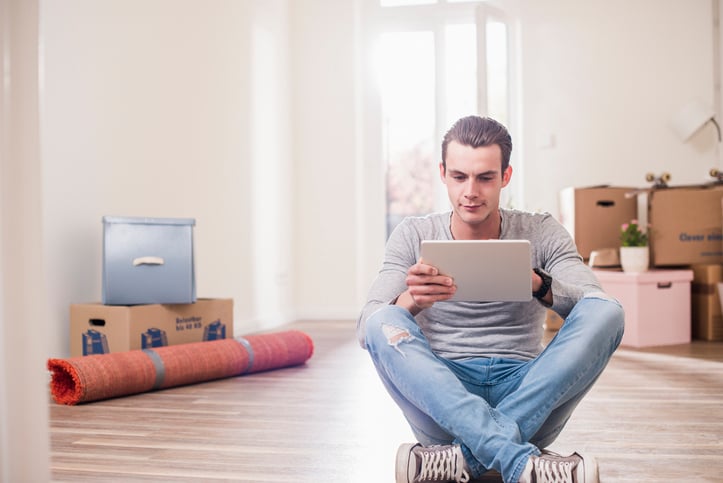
(460, 68)
(497, 71)
(405, 71)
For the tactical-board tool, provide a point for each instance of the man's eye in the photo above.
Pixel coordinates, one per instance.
(458, 178)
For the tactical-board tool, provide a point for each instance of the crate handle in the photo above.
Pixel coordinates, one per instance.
(148, 261)
(665, 284)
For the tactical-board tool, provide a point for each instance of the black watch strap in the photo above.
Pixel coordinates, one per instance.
(546, 283)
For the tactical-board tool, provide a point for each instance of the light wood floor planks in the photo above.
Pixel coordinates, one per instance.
(655, 415)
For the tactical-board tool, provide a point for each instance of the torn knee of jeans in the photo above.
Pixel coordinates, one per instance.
(396, 335)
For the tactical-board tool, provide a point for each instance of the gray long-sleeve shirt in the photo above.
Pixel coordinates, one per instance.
(457, 330)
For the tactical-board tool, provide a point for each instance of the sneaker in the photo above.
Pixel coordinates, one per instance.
(422, 464)
(551, 467)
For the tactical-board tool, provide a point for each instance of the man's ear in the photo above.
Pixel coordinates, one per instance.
(506, 176)
(442, 171)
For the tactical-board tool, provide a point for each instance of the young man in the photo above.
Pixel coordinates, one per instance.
(472, 379)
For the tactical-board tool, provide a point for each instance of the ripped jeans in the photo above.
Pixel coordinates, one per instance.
(500, 411)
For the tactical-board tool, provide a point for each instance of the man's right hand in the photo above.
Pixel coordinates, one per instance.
(425, 286)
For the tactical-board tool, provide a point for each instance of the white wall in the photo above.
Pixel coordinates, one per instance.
(168, 108)
(603, 80)
(272, 197)
(326, 191)
(24, 445)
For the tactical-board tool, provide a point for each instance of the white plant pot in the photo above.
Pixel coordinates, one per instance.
(634, 259)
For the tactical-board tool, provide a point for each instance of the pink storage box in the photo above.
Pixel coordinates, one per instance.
(656, 303)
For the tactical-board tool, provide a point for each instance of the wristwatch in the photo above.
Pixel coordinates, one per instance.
(546, 283)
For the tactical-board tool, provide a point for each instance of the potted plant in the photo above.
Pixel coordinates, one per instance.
(634, 254)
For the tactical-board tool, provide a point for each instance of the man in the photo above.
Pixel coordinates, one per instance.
(472, 379)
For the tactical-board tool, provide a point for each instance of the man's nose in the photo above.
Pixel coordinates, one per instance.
(470, 189)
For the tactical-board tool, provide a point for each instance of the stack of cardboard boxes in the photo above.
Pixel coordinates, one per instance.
(149, 292)
(686, 233)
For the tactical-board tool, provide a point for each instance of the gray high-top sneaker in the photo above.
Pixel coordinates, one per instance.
(426, 464)
(551, 467)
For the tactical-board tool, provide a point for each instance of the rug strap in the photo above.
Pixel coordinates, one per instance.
(158, 366)
(250, 350)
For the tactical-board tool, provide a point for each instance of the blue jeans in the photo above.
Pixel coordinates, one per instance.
(500, 411)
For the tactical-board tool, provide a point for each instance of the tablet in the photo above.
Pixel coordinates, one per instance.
(483, 270)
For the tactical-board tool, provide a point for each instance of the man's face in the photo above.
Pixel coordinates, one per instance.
(474, 180)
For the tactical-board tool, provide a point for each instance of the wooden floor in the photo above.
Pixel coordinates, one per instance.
(655, 415)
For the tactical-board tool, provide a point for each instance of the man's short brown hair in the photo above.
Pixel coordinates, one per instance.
(476, 131)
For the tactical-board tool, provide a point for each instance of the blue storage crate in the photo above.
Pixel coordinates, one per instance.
(148, 261)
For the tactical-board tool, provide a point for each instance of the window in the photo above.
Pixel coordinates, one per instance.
(435, 62)
(406, 71)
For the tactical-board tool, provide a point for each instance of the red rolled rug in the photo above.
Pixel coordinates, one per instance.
(91, 378)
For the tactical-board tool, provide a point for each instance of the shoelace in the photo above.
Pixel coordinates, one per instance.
(554, 471)
(442, 465)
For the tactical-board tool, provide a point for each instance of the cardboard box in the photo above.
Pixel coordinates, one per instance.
(594, 215)
(148, 261)
(656, 304)
(102, 329)
(685, 225)
(706, 302)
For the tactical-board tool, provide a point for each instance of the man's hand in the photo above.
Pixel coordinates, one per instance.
(425, 286)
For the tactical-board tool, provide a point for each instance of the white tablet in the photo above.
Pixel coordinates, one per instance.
(483, 270)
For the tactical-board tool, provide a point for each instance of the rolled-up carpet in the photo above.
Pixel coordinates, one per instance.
(95, 377)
